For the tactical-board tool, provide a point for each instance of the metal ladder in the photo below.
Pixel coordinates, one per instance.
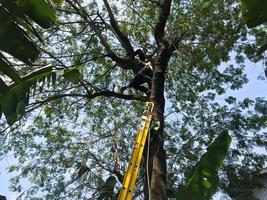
(133, 166)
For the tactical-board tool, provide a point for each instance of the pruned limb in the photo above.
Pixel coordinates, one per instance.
(164, 13)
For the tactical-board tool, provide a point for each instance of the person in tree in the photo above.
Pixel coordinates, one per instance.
(143, 76)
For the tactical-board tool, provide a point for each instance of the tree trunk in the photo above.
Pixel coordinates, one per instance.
(157, 168)
(157, 155)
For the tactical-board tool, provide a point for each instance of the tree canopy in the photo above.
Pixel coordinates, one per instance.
(76, 129)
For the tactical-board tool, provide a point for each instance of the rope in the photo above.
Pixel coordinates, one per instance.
(147, 163)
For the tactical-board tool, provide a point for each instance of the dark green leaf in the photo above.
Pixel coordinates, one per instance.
(9, 103)
(58, 2)
(3, 87)
(72, 76)
(14, 98)
(107, 191)
(2, 197)
(8, 70)
(27, 24)
(14, 40)
(39, 11)
(254, 12)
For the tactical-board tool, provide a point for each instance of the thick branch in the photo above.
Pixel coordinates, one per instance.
(162, 20)
(121, 62)
(122, 37)
(90, 22)
(105, 93)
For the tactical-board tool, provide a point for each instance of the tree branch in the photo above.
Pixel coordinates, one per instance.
(124, 63)
(107, 93)
(97, 31)
(104, 93)
(121, 37)
(163, 16)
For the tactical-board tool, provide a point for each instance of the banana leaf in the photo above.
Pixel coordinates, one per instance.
(202, 182)
(15, 97)
(14, 40)
(7, 69)
(40, 11)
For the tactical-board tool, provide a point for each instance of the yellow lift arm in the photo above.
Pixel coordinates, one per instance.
(134, 163)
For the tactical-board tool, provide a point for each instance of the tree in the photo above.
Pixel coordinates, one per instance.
(77, 120)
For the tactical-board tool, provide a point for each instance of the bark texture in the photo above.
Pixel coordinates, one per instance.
(157, 168)
(157, 154)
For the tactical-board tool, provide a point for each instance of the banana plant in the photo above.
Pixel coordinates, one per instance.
(202, 182)
(16, 25)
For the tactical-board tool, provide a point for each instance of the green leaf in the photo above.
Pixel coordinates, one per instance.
(107, 189)
(254, 12)
(14, 40)
(9, 103)
(21, 107)
(38, 74)
(14, 98)
(202, 182)
(3, 88)
(27, 24)
(19, 17)
(58, 2)
(8, 70)
(82, 170)
(39, 11)
(73, 74)
(54, 75)
(110, 183)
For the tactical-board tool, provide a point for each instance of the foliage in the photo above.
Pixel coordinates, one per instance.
(15, 15)
(75, 130)
(203, 180)
(254, 13)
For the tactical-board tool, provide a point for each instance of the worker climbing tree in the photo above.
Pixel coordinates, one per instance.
(144, 75)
